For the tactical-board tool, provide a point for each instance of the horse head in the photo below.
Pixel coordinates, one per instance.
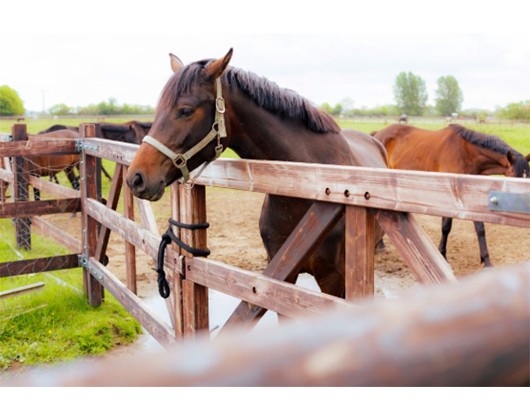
(518, 165)
(186, 131)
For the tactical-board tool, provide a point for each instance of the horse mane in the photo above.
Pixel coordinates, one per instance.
(264, 93)
(486, 141)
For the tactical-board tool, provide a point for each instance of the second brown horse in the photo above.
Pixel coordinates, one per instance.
(454, 149)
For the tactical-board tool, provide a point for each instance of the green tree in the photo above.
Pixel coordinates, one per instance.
(449, 96)
(10, 102)
(410, 93)
(60, 109)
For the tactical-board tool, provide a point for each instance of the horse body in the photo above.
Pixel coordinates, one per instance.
(51, 165)
(262, 122)
(454, 149)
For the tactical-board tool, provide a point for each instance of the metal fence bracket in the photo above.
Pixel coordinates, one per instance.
(509, 202)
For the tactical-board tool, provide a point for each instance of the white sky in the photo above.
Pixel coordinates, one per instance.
(331, 50)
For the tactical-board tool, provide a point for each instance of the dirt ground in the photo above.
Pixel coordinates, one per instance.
(233, 238)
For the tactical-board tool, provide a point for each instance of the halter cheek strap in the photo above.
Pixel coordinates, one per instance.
(218, 131)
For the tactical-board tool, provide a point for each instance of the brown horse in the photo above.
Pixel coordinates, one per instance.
(128, 132)
(453, 149)
(51, 165)
(262, 121)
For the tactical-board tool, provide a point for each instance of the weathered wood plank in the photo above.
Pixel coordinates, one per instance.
(89, 189)
(38, 265)
(471, 334)
(415, 247)
(21, 290)
(437, 194)
(132, 232)
(359, 252)
(56, 190)
(316, 223)
(24, 209)
(112, 203)
(130, 250)
(57, 234)
(260, 290)
(118, 152)
(134, 305)
(21, 189)
(192, 209)
(174, 302)
(29, 149)
(147, 215)
(6, 175)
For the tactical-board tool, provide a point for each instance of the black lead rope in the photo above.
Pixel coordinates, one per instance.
(167, 238)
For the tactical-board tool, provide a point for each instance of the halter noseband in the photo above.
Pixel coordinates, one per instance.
(218, 131)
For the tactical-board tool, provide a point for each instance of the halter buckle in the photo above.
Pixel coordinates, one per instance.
(179, 161)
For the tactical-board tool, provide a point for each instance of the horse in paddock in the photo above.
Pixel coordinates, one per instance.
(128, 132)
(260, 121)
(453, 149)
(51, 165)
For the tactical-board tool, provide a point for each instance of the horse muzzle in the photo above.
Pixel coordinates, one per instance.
(142, 188)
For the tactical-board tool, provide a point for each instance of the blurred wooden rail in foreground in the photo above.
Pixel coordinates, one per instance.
(473, 333)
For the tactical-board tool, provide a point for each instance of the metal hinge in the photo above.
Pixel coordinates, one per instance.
(509, 202)
(80, 145)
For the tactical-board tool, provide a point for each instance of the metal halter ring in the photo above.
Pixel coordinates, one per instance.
(220, 105)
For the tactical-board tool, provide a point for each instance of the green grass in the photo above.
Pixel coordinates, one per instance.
(55, 323)
(34, 125)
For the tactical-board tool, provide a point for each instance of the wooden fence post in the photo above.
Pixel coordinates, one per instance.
(192, 208)
(175, 304)
(130, 250)
(359, 252)
(21, 189)
(91, 285)
(3, 184)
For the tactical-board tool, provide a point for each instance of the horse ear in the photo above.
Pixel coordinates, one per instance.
(176, 64)
(216, 68)
(510, 157)
(527, 157)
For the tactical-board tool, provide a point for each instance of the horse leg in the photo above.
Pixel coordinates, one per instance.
(447, 223)
(36, 194)
(70, 174)
(105, 173)
(481, 235)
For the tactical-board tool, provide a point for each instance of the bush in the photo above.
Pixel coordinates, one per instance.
(515, 111)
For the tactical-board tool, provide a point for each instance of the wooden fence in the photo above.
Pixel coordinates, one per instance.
(363, 196)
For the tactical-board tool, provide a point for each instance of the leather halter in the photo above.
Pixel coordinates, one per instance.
(218, 131)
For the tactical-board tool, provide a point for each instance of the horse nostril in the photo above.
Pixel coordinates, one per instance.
(136, 182)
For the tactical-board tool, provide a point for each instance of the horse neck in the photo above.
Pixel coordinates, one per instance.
(256, 133)
(490, 162)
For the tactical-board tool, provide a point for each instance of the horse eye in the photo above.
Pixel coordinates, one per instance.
(185, 112)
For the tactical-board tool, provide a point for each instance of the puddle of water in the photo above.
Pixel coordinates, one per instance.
(222, 306)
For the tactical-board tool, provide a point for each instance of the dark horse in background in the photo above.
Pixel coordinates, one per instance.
(263, 121)
(454, 149)
(51, 165)
(128, 132)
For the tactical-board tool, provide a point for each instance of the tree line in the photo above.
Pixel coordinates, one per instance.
(410, 94)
